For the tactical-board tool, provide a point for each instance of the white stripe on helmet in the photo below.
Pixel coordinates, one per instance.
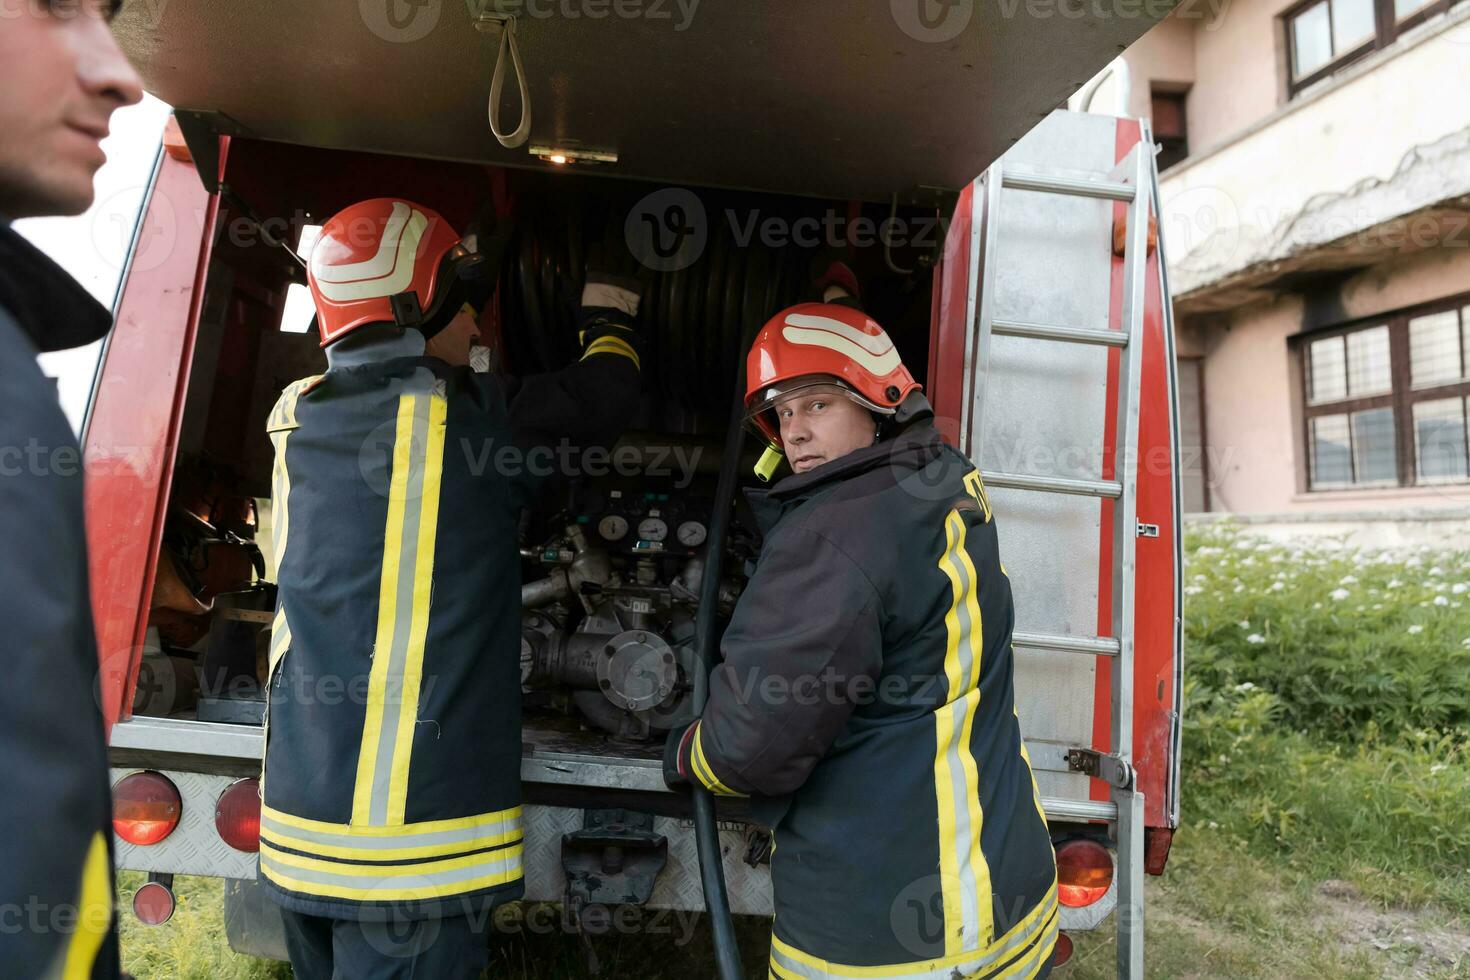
(872, 343)
(875, 352)
(387, 273)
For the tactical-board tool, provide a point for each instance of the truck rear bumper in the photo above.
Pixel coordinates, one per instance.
(204, 759)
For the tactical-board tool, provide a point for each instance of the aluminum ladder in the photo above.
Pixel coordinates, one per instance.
(1130, 182)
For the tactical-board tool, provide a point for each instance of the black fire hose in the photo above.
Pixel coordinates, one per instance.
(706, 830)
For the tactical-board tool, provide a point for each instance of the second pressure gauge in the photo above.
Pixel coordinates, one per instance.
(653, 529)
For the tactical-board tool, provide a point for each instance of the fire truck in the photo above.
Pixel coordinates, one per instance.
(1009, 247)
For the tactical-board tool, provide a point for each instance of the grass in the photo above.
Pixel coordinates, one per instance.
(1326, 806)
(1327, 721)
(191, 945)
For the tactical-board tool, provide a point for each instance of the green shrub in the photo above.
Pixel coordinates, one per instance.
(1342, 637)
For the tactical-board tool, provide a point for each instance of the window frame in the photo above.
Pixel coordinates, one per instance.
(1386, 31)
(1400, 397)
(1181, 98)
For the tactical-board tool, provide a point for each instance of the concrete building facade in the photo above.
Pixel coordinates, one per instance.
(1315, 159)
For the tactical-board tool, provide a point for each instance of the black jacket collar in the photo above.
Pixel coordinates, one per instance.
(373, 345)
(51, 307)
(910, 450)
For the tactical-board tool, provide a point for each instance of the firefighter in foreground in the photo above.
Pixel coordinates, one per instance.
(63, 77)
(865, 698)
(391, 818)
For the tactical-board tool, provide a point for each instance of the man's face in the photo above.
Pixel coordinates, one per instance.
(452, 344)
(820, 426)
(62, 76)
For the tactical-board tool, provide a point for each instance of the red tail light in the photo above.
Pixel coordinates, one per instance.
(1063, 951)
(1084, 872)
(237, 815)
(145, 808)
(153, 904)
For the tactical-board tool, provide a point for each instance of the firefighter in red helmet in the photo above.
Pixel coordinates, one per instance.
(865, 700)
(391, 816)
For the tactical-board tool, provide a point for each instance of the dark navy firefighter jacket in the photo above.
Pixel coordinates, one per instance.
(865, 701)
(392, 774)
(56, 881)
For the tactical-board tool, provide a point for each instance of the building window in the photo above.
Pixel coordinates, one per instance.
(1386, 402)
(1167, 118)
(1323, 36)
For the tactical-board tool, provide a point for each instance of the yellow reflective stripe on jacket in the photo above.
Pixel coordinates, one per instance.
(613, 345)
(423, 587)
(391, 882)
(282, 421)
(975, 486)
(406, 584)
(964, 873)
(279, 426)
(395, 843)
(94, 912)
(478, 820)
(1021, 952)
(280, 640)
(702, 768)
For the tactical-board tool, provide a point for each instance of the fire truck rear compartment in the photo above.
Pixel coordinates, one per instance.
(611, 559)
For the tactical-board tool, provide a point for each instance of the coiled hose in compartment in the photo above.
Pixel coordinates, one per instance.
(693, 319)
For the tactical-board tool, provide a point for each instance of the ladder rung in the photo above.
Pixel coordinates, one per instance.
(1078, 809)
(1053, 484)
(1111, 190)
(1043, 331)
(1105, 646)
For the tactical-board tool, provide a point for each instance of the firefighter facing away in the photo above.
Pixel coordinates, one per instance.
(62, 76)
(391, 818)
(865, 698)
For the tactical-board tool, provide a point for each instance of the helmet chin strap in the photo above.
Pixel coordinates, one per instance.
(913, 408)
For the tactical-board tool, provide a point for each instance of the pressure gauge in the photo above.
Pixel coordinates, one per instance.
(612, 527)
(691, 534)
(653, 529)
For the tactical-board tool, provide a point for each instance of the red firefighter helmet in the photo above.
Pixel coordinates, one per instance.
(386, 260)
(813, 344)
